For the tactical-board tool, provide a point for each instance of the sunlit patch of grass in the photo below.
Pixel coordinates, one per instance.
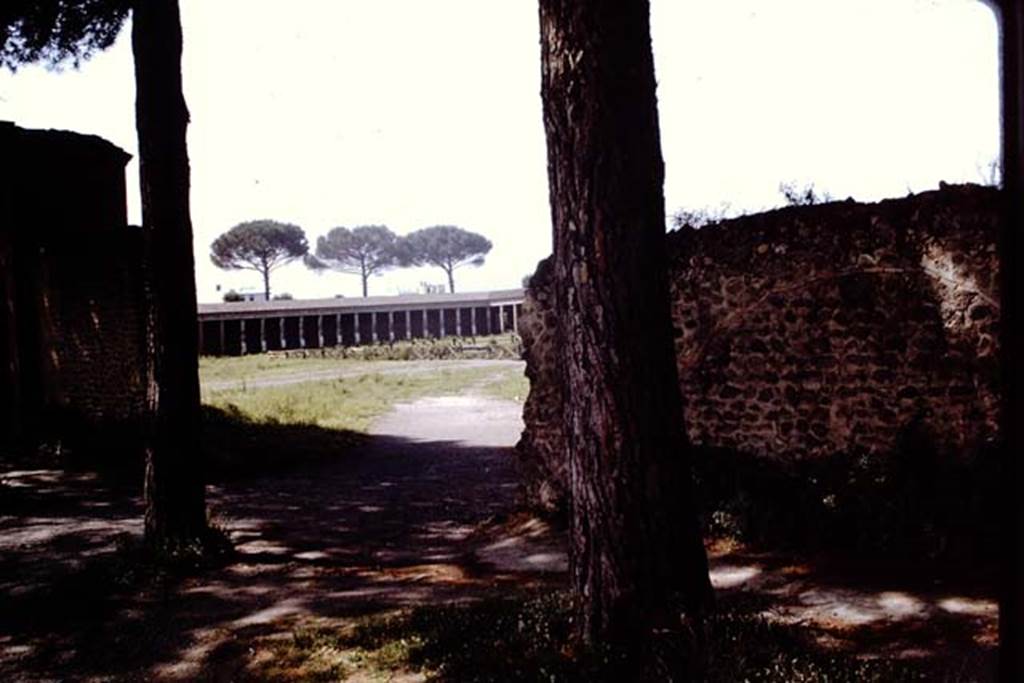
(264, 365)
(509, 384)
(316, 653)
(347, 403)
(303, 660)
(251, 429)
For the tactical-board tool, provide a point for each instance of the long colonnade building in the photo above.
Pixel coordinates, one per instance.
(245, 327)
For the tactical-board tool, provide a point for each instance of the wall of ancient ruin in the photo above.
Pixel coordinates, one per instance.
(94, 327)
(72, 327)
(814, 330)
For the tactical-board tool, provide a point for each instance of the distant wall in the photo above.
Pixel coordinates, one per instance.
(809, 331)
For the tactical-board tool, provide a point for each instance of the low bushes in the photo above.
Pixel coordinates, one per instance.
(499, 347)
(913, 504)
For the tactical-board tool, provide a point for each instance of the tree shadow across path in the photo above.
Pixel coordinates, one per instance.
(384, 525)
(331, 527)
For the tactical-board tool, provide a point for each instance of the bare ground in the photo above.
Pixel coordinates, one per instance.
(425, 513)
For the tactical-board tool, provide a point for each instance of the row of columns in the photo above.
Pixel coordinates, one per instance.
(240, 336)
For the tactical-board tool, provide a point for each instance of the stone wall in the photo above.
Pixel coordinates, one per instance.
(543, 470)
(814, 330)
(72, 291)
(96, 327)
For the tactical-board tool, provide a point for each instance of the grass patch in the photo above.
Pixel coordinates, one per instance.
(235, 444)
(528, 638)
(349, 403)
(509, 384)
(265, 365)
(253, 429)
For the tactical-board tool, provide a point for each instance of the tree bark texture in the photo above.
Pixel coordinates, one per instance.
(174, 490)
(1011, 616)
(10, 378)
(635, 547)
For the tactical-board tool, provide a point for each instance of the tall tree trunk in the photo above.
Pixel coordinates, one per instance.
(266, 283)
(365, 288)
(11, 421)
(636, 549)
(1011, 617)
(174, 490)
(451, 279)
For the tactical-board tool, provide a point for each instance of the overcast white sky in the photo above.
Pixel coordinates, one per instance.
(411, 113)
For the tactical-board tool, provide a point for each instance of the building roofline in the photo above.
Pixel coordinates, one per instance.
(291, 307)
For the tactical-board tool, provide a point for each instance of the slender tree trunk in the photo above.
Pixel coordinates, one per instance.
(365, 288)
(266, 284)
(451, 279)
(636, 550)
(174, 491)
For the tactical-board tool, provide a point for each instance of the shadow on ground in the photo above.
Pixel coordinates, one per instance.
(332, 527)
(381, 523)
(871, 610)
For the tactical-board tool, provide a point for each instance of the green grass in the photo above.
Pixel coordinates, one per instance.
(252, 430)
(236, 445)
(509, 384)
(265, 365)
(350, 403)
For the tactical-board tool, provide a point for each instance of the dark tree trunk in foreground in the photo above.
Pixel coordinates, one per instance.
(1011, 616)
(636, 551)
(174, 491)
(266, 271)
